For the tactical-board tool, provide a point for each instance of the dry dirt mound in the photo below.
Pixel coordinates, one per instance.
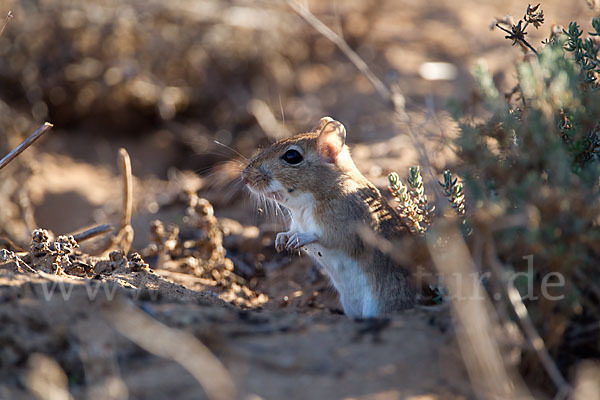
(272, 354)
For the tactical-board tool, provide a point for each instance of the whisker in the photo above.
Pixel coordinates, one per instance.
(217, 169)
(281, 108)
(232, 188)
(232, 149)
(269, 208)
(264, 206)
(221, 154)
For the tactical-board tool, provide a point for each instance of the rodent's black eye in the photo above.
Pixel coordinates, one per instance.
(292, 157)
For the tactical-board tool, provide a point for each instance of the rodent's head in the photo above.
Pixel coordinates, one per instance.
(291, 170)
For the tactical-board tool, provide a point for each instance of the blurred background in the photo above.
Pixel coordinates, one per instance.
(167, 79)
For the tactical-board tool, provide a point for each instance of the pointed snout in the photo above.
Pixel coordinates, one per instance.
(245, 177)
(255, 178)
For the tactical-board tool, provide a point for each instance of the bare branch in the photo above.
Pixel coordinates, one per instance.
(25, 144)
(475, 318)
(358, 62)
(93, 232)
(533, 337)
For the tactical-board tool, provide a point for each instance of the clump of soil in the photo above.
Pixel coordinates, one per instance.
(196, 249)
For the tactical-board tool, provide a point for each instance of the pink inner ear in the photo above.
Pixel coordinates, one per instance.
(329, 151)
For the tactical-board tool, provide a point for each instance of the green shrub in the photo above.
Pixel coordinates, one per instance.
(531, 174)
(537, 158)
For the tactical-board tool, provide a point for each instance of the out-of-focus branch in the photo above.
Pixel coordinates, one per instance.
(358, 62)
(472, 310)
(8, 17)
(267, 121)
(174, 344)
(533, 337)
(25, 144)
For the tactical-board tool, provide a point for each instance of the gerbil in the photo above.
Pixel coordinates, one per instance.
(314, 177)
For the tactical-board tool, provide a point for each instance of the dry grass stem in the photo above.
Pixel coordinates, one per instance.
(25, 144)
(474, 313)
(123, 238)
(176, 345)
(527, 326)
(125, 165)
(267, 121)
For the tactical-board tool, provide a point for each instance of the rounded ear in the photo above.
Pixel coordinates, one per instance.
(332, 136)
(322, 122)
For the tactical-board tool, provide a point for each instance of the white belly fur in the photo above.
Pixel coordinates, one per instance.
(348, 279)
(346, 275)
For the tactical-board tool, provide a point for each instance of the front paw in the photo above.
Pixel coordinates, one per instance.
(281, 240)
(293, 240)
(297, 240)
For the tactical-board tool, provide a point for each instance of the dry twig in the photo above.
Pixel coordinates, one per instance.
(472, 310)
(124, 236)
(6, 243)
(533, 337)
(358, 62)
(8, 17)
(125, 164)
(93, 232)
(25, 144)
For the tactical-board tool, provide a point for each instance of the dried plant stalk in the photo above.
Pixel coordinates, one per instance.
(8, 17)
(174, 344)
(25, 144)
(93, 232)
(125, 164)
(473, 313)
